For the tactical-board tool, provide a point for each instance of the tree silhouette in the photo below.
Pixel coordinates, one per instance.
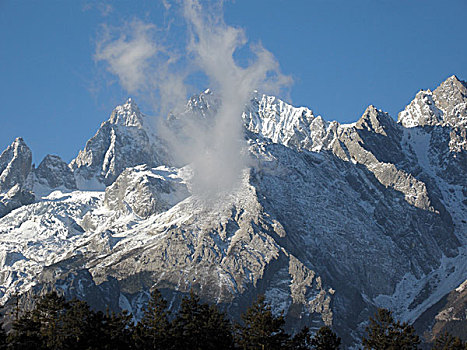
(262, 330)
(153, 331)
(325, 339)
(116, 329)
(200, 326)
(385, 333)
(447, 341)
(301, 340)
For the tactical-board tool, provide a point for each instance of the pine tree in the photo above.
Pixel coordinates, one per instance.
(47, 313)
(80, 326)
(152, 332)
(217, 329)
(262, 330)
(39, 328)
(385, 333)
(325, 339)
(446, 341)
(3, 337)
(200, 326)
(57, 324)
(25, 334)
(301, 340)
(117, 331)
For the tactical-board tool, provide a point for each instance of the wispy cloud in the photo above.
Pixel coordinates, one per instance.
(135, 52)
(104, 8)
(138, 54)
(128, 56)
(219, 156)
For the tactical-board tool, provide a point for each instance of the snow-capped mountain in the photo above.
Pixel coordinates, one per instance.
(329, 221)
(123, 141)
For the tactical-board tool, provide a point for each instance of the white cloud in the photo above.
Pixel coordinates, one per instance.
(129, 55)
(104, 8)
(145, 65)
(219, 154)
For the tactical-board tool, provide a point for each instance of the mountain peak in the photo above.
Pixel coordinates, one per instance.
(54, 172)
(19, 141)
(18, 147)
(15, 164)
(452, 89)
(375, 120)
(127, 114)
(453, 79)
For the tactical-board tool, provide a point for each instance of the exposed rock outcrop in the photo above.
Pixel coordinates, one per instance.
(329, 221)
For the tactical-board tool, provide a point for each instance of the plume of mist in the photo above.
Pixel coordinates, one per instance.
(137, 54)
(214, 146)
(221, 156)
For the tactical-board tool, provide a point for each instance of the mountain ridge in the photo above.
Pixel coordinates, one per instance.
(318, 201)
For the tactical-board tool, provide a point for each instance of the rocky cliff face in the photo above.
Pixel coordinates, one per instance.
(53, 172)
(329, 221)
(15, 167)
(123, 141)
(449, 314)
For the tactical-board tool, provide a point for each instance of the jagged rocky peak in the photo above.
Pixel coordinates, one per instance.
(375, 120)
(15, 165)
(122, 141)
(451, 97)
(280, 122)
(445, 106)
(203, 105)
(421, 111)
(203, 101)
(451, 92)
(54, 172)
(127, 114)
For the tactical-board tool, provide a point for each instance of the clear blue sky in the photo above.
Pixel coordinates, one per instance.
(342, 55)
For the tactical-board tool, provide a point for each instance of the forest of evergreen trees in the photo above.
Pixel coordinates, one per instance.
(56, 323)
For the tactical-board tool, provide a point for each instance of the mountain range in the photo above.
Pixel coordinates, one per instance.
(329, 221)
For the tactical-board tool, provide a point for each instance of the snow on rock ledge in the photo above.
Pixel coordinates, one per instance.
(145, 191)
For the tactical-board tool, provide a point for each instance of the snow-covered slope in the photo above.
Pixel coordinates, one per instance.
(329, 221)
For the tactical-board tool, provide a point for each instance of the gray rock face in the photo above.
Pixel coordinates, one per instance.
(122, 141)
(54, 172)
(15, 198)
(448, 315)
(447, 132)
(15, 166)
(451, 98)
(145, 192)
(329, 221)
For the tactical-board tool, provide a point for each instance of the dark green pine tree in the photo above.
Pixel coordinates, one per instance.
(199, 326)
(385, 333)
(3, 336)
(116, 331)
(153, 331)
(47, 315)
(447, 341)
(301, 340)
(25, 334)
(325, 339)
(81, 328)
(217, 328)
(262, 330)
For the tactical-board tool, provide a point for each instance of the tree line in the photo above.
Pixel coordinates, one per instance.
(56, 323)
